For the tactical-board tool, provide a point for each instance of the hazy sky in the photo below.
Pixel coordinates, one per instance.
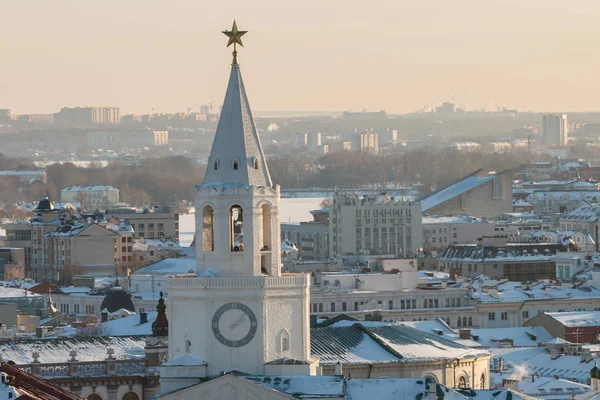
(399, 55)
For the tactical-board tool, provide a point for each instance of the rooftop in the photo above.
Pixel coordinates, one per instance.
(88, 188)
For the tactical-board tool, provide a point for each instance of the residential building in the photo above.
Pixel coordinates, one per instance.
(306, 139)
(440, 231)
(574, 326)
(150, 251)
(153, 223)
(311, 239)
(496, 258)
(12, 263)
(81, 248)
(99, 197)
(161, 138)
(584, 218)
(374, 224)
(555, 129)
(84, 116)
(24, 177)
(478, 194)
(365, 142)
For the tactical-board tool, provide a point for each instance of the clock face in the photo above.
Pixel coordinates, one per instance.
(234, 324)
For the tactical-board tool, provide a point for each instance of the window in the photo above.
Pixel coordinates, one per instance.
(470, 322)
(161, 226)
(320, 307)
(462, 382)
(141, 227)
(402, 305)
(332, 307)
(236, 228)
(356, 306)
(498, 188)
(123, 249)
(236, 165)
(525, 314)
(344, 306)
(208, 230)
(217, 164)
(284, 340)
(504, 315)
(150, 227)
(255, 163)
(482, 382)
(129, 240)
(492, 316)
(390, 304)
(123, 239)
(458, 322)
(414, 304)
(76, 308)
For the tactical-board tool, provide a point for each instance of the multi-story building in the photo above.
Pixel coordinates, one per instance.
(376, 225)
(91, 198)
(152, 223)
(306, 139)
(555, 130)
(161, 138)
(24, 177)
(365, 142)
(83, 116)
(311, 239)
(496, 258)
(584, 218)
(440, 231)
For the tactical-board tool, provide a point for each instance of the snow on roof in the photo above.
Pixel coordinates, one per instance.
(542, 386)
(584, 213)
(159, 244)
(22, 173)
(58, 350)
(537, 291)
(571, 195)
(14, 292)
(367, 389)
(89, 188)
(169, 266)
(303, 386)
(129, 326)
(185, 359)
(452, 219)
(576, 318)
(537, 360)
(456, 189)
(520, 336)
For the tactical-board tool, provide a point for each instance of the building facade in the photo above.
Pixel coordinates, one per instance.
(555, 129)
(91, 198)
(374, 225)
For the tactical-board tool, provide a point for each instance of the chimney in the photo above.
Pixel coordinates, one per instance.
(511, 384)
(554, 354)
(532, 378)
(464, 334)
(143, 318)
(338, 369)
(104, 316)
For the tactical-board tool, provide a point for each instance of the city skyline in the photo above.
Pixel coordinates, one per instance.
(400, 57)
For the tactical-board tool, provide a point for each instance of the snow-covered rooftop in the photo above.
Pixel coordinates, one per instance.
(169, 266)
(452, 219)
(88, 188)
(456, 189)
(576, 318)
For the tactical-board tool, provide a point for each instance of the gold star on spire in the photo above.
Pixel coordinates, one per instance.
(235, 38)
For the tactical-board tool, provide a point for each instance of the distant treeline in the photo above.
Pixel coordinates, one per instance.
(168, 180)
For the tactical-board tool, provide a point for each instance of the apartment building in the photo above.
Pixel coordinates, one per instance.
(375, 225)
(440, 231)
(99, 197)
(152, 223)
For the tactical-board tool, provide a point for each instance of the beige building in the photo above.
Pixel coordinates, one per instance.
(87, 249)
(440, 231)
(374, 225)
(161, 138)
(149, 251)
(479, 194)
(365, 142)
(99, 197)
(150, 224)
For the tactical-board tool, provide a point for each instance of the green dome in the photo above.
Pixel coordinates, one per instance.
(594, 372)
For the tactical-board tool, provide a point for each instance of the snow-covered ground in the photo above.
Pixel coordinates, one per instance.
(293, 210)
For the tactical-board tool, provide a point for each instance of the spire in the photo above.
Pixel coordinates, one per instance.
(236, 157)
(160, 327)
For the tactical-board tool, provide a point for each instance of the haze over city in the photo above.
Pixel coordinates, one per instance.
(305, 56)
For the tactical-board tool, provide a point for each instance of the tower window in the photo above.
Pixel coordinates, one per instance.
(236, 165)
(236, 228)
(208, 231)
(284, 340)
(255, 163)
(217, 164)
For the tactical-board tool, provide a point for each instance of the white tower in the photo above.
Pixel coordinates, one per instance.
(239, 312)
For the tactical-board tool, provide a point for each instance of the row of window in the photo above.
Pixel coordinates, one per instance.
(384, 221)
(140, 227)
(89, 309)
(404, 304)
(383, 213)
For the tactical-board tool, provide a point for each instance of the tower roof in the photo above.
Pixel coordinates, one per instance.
(237, 157)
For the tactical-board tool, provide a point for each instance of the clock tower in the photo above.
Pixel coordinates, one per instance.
(239, 312)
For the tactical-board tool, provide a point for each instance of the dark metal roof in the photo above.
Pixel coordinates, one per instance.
(116, 299)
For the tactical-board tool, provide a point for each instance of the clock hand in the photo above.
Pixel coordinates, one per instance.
(238, 321)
